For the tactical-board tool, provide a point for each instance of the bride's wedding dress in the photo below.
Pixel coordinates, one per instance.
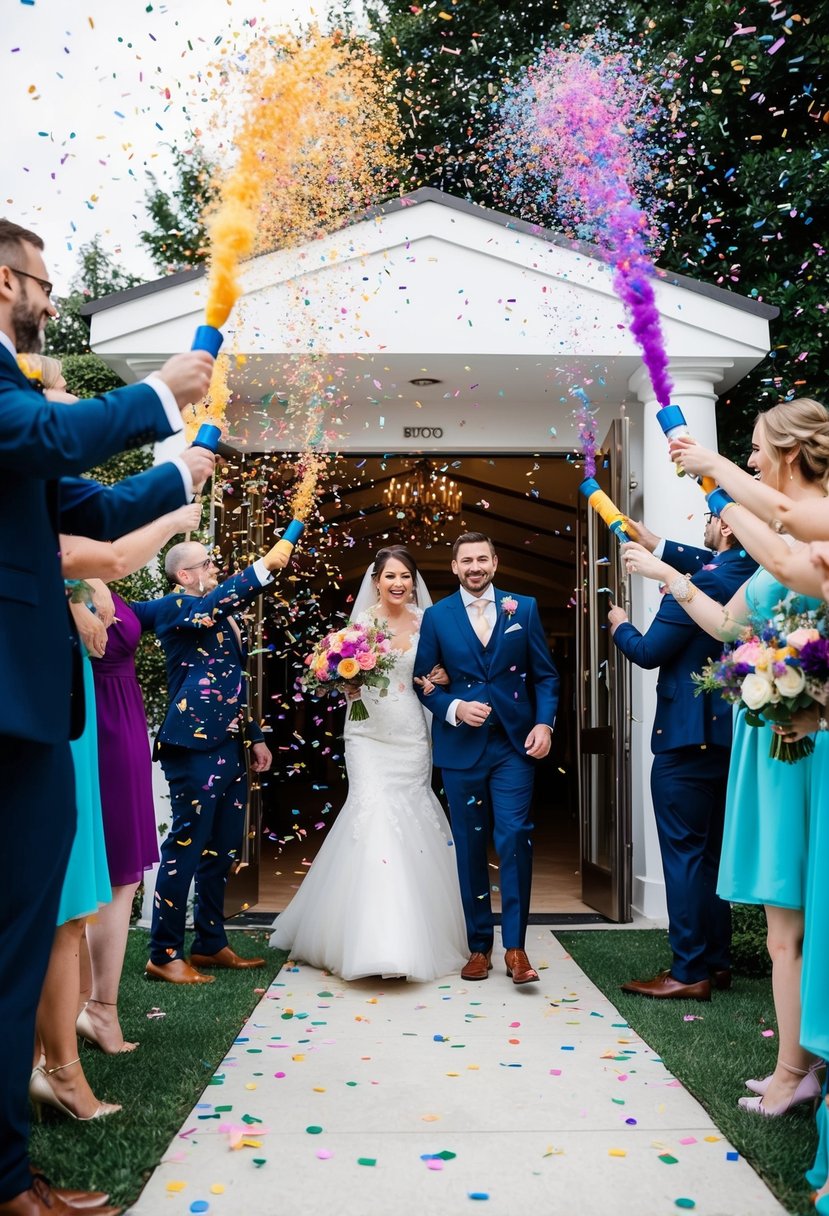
(382, 896)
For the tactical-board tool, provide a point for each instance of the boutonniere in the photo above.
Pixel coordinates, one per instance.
(509, 606)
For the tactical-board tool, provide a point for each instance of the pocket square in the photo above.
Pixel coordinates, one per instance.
(512, 628)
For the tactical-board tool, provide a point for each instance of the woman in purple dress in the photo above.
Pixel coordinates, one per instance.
(125, 772)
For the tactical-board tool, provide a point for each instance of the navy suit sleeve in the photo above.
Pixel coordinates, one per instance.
(543, 670)
(670, 630)
(428, 654)
(105, 512)
(685, 558)
(51, 439)
(147, 612)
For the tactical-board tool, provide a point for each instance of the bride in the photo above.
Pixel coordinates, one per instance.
(382, 897)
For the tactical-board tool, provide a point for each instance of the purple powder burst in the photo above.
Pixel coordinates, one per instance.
(586, 424)
(575, 135)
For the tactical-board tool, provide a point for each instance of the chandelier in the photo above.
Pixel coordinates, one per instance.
(423, 500)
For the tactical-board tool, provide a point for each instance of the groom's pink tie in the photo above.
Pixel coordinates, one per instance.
(479, 622)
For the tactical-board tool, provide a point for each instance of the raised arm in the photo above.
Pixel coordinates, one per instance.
(84, 558)
(764, 502)
(723, 622)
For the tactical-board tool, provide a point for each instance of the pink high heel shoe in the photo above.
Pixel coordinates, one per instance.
(808, 1091)
(761, 1084)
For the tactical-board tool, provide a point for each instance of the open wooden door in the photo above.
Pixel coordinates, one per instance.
(603, 697)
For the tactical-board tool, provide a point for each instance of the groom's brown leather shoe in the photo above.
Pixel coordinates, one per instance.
(177, 972)
(226, 958)
(518, 967)
(477, 967)
(665, 986)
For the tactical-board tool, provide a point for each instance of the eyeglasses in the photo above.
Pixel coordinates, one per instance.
(709, 515)
(208, 561)
(44, 283)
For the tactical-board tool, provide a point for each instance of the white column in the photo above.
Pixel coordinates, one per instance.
(673, 507)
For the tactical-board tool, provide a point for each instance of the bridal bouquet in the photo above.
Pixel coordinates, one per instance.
(774, 670)
(358, 654)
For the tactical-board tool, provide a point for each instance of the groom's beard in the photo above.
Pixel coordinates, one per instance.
(473, 584)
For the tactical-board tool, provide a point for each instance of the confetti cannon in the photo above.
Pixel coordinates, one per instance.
(672, 421)
(604, 506)
(208, 338)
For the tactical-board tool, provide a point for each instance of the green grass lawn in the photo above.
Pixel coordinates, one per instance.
(711, 1056)
(160, 1082)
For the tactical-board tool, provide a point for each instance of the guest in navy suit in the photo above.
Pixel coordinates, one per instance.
(493, 721)
(691, 744)
(201, 746)
(42, 442)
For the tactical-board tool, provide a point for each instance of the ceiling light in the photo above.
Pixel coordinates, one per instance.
(424, 381)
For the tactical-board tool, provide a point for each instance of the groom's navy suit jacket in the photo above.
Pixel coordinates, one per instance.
(206, 679)
(42, 443)
(679, 647)
(514, 674)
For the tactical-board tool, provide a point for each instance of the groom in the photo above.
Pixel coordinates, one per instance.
(495, 719)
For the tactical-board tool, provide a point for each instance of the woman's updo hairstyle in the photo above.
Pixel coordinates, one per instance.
(400, 554)
(802, 425)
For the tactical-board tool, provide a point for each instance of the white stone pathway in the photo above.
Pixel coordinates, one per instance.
(381, 1098)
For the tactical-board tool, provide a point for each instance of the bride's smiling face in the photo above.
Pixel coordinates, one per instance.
(394, 584)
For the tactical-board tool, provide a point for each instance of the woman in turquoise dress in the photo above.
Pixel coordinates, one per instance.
(59, 1080)
(766, 838)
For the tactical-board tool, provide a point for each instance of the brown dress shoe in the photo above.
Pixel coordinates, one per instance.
(226, 958)
(177, 972)
(721, 980)
(477, 967)
(664, 985)
(74, 1199)
(41, 1200)
(518, 967)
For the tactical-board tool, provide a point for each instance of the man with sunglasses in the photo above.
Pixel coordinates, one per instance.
(691, 744)
(201, 746)
(44, 448)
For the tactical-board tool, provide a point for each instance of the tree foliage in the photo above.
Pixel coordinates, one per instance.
(177, 239)
(745, 187)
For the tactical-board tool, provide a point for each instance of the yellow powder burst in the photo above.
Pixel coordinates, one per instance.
(212, 408)
(311, 466)
(317, 141)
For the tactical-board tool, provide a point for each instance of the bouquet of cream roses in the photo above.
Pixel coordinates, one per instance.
(774, 670)
(358, 654)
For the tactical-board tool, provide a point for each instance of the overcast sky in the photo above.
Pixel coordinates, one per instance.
(93, 91)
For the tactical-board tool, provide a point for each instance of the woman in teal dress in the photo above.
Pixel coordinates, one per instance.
(765, 845)
(59, 1080)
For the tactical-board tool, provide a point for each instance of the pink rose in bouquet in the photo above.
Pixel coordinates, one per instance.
(359, 654)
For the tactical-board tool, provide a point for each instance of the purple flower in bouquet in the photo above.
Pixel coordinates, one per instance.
(814, 659)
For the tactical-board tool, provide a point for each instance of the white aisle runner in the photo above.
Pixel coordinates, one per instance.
(381, 1098)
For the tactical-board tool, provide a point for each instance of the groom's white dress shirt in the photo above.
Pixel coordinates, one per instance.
(470, 603)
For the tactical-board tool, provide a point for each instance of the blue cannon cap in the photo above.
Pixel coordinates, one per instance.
(718, 499)
(669, 417)
(293, 531)
(207, 436)
(208, 338)
(589, 486)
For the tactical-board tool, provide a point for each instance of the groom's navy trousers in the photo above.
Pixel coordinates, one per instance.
(495, 797)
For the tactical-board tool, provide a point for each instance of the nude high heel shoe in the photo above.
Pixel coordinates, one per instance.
(808, 1091)
(84, 1027)
(42, 1095)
